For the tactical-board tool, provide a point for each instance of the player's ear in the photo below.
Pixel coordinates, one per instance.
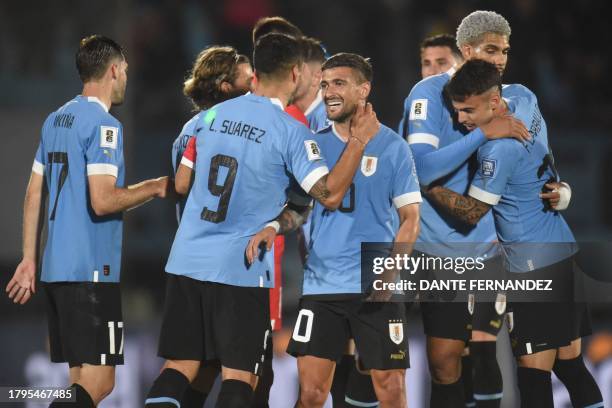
(364, 89)
(295, 73)
(114, 71)
(466, 51)
(226, 87)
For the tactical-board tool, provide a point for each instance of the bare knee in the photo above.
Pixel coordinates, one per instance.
(312, 395)
(445, 364)
(390, 387)
(98, 381)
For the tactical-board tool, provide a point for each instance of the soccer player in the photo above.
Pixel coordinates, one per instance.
(218, 74)
(217, 305)
(310, 101)
(546, 336)
(332, 306)
(439, 53)
(441, 152)
(80, 160)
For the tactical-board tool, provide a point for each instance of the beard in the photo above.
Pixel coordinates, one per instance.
(344, 115)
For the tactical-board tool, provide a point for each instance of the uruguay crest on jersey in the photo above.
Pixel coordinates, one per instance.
(368, 165)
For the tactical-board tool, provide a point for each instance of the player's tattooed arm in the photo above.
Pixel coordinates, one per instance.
(292, 217)
(319, 191)
(466, 209)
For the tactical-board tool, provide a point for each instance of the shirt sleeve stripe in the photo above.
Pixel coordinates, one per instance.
(38, 168)
(408, 198)
(426, 138)
(102, 169)
(186, 162)
(483, 196)
(313, 177)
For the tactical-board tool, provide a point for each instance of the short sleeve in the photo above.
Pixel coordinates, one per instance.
(190, 154)
(405, 189)
(38, 166)
(496, 161)
(104, 154)
(303, 157)
(423, 112)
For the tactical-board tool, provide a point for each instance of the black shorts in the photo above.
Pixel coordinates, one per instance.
(323, 328)
(488, 317)
(85, 323)
(211, 321)
(449, 316)
(539, 326)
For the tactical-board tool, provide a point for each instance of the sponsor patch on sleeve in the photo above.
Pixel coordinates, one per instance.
(312, 148)
(418, 110)
(108, 137)
(487, 167)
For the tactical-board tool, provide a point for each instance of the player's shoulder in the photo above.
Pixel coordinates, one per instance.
(517, 90)
(431, 86)
(391, 138)
(503, 148)
(192, 124)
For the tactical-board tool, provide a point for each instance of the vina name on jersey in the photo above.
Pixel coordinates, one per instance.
(78, 140)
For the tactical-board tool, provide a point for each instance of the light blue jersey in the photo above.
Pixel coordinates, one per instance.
(241, 177)
(442, 153)
(317, 115)
(510, 177)
(78, 140)
(178, 148)
(385, 181)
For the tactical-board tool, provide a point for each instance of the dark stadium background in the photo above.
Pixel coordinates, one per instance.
(559, 50)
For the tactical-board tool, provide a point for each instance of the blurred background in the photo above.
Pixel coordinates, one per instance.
(561, 52)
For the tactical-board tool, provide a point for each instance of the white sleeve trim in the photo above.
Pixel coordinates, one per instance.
(408, 198)
(102, 169)
(426, 138)
(483, 196)
(38, 168)
(313, 177)
(186, 162)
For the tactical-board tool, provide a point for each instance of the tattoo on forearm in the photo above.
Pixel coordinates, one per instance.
(286, 221)
(466, 209)
(319, 191)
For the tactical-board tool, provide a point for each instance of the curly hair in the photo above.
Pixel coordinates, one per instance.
(212, 67)
(478, 23)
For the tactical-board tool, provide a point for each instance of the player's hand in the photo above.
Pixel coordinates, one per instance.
(506, 126)
(388, 276)
(558, 195)
(165, 187)
(364, 123)
(267, 236)
(23, 284)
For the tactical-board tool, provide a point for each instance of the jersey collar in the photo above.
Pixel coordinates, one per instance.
(451, 71)
(277, 102)
(314, 104)
(98, 101)
(335, 132)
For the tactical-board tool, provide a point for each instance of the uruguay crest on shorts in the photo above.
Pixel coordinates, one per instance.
(368, 165)
(396, 331)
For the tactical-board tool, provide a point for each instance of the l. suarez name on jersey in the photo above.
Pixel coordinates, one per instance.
(240, 129)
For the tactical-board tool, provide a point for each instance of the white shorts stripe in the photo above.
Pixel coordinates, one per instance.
(408, 198)
(483, 196)
(103, 359)
(186, 162)
(111, 337)
(528, 347)
(38, 168)
(120, 325)
(102, 169)
(313, 177)
(426, 138)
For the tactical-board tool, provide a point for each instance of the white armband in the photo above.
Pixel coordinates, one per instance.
(565, 195)
(273, 224)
